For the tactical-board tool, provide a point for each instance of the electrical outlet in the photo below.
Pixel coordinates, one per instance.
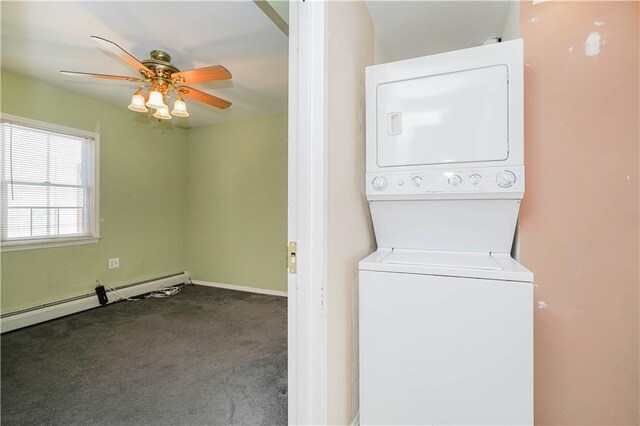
(114, 263)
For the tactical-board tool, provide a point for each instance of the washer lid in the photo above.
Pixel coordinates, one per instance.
(498, 266)
(445, 259)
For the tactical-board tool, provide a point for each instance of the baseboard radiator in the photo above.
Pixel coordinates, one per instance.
(37, 314)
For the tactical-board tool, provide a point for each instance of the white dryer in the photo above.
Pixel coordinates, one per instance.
(446, 315)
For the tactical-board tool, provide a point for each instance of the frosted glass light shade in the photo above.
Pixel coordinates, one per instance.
(162, 113)
(180, 108)
(155, 100)
(137, 102)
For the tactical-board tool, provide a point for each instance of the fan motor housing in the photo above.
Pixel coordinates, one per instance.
(160, 64)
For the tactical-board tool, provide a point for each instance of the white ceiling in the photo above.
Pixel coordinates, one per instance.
(408, 29)
(41, 38)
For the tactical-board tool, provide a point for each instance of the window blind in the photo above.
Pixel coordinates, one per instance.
(46, 184)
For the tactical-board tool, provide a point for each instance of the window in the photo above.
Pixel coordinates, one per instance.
(49, 185)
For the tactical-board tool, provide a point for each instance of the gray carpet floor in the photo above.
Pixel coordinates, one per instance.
(205, 356)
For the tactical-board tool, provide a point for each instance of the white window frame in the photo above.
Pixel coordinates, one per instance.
(94, 202)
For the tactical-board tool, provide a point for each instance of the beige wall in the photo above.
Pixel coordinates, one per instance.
(350, 235)
(511, 28)
(579, 221)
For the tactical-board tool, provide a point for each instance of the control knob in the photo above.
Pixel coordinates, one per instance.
(506, 179)
(475, 178)
(454, 180)
(379, 183)
(417, 180)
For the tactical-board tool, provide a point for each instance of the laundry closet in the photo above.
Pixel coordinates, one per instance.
(445, 311)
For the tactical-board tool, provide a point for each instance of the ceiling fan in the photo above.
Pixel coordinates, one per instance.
(161, 80)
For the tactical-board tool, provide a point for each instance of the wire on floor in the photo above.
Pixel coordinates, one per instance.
(167, 291)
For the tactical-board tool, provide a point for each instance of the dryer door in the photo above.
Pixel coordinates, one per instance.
(456, 117)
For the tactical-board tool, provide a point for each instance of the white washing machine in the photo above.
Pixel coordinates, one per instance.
(446, 315)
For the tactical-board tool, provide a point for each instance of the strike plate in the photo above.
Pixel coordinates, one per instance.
(292, 248)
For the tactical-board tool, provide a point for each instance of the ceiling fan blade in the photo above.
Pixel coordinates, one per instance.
(123, 54)
(206, 98)
(198, 75)
(107, 76)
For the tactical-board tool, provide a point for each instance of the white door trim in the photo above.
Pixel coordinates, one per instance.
(307, 218)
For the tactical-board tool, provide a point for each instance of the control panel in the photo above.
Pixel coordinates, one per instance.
(455, 181)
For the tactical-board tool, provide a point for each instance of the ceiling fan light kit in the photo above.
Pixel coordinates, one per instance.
(137, 102)
(162, 80)
(162, 113)
(156, 100)
(179, 108)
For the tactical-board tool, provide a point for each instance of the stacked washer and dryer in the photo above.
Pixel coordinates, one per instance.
(446, 314)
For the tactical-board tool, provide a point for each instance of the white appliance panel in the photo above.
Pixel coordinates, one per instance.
(448, 225)
(445, 350)
(458, 117)
(463, 107)
(459, 183)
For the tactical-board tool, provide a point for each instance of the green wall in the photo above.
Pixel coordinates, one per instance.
(210, 200)
(236, 220)
(142, 198)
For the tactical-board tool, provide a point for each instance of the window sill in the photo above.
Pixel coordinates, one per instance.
(48, 243)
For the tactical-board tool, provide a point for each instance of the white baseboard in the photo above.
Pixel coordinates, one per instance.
(35, 315)
(241, 288)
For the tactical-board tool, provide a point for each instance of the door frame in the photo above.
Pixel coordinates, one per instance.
(307, 341)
